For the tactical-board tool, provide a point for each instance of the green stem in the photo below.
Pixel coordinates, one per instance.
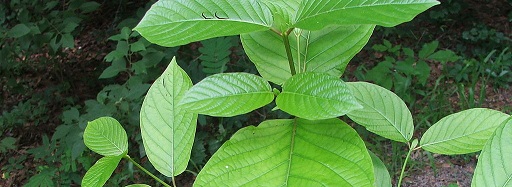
(286, 42)
(403, 167)
(147, 172)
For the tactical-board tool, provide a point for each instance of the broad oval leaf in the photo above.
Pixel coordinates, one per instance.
(317, 14)
(101, 171)
(382, 177)
(293, 152)
(327, 51)
(179, 22)
(168, 130)
(316, 96)
(462, 132)
(228, 94)
(106, 137)
(494, 167)
(383, 112)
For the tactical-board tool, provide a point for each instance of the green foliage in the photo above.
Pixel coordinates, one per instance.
(285, 151)
(448, 137)
(161, 116)
(493, 161)
(404, 71)
(222, 95)
(35, 27)
(383, 112)
(288, 151)
(316, 96)
(328, 50)
(215, 54)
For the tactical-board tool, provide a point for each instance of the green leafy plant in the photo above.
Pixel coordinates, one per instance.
(404, 71)
(303, 46)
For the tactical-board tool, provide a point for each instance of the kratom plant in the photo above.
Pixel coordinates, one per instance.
(304, 46)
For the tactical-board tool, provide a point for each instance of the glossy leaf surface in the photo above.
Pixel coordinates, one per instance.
(462, 132)
(228, 94)
(101, 171)
(327, 51)
(168, 130)
(494, 167)
(317, 14)
(106, 137)
(383, 112)
(291, 152)
(178, 22)
(316, 96)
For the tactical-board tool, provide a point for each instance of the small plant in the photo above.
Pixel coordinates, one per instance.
(304, 47)
(404, 71)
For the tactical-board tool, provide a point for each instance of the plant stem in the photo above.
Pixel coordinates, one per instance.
(149, 173)
(286, 42)
(403, 167)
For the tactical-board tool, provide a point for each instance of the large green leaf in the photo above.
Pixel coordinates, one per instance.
(462, 132)
(383, 112)
(106, 137)
(328, 50)
(494, 167)
(316, 96)
(177, 22)
(382, 177)
(317, 14)
(168, 130)
(228, 94)
(293, 152)
(101, 171)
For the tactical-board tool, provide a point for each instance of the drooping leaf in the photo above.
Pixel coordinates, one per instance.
(317, 14)
(382, 177)
(173, 23)
(167, 129)
(106, 137)
(101, 171)
(494, 167)
(328, 50)
(316, 96)
(294, 152)
(228, 94)
(462, 132)
(383, 112)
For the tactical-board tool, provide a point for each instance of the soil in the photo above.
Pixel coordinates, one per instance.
(84, 63)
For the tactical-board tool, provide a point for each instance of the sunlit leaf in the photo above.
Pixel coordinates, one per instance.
(462, 132)
(382, 177)
(327, 51)
(228, 94)
(317, 14)
(494, 167)
(383, 112)
(316, 96)
(294, 152)
(106, 137)
(178, 22)
(101, 171)
(167, 129)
